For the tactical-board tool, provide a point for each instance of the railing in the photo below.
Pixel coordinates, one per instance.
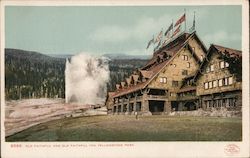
(157, 97)
(187, 97)
(172, 98)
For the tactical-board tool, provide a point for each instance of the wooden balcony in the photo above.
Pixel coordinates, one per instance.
(157, 97)
(187, 97)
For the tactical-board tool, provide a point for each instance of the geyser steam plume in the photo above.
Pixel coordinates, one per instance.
(86, 79)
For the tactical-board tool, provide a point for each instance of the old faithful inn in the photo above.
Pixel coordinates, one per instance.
(182, 75)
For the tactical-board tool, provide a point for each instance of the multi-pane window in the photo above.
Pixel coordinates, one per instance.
(163, 80)
(201, 57)
(220, 82)
(206, 85)
(208, 69)
(175, 83)
(184, 72)
(214, 83)
(210, 84)
(230, 80)
(222, 64)
(226, 81)
(212, 67)
(185, 57)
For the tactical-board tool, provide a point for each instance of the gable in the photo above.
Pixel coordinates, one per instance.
(197, 47)
(181, 65)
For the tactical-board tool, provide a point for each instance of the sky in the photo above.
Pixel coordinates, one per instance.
(114, 29)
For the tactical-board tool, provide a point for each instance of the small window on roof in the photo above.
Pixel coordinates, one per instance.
(201, 57)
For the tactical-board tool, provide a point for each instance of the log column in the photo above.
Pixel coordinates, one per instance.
(167, 107)
(145, 103)
(122, 105)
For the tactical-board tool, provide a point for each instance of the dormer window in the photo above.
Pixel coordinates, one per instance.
(226, 64)
(210, 68)
(222, 64)
(201, 57)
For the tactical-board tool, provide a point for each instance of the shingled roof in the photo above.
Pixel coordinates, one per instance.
(160, 59)
(220, 49)
(229, 51)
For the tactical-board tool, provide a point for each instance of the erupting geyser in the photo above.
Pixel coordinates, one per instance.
(86, 79)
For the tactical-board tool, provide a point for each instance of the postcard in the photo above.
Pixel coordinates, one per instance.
(124, 79)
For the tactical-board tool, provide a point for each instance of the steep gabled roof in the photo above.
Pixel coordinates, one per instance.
(157, 63)
(135, 77)
(224, 50)
(146, 74)
(221, 50)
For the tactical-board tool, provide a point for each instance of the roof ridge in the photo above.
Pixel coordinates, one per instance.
(216, 45)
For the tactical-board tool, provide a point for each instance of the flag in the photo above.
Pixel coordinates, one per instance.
(159, 37)
(169, 28)
(182, 18)
(150, 42)
(176, 31)
(193, 27)
(159, 44)
(167, 38)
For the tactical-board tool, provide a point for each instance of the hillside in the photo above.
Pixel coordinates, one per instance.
(34, 75)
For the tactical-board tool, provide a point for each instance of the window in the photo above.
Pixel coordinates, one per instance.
(163, 80)
(230, 80)
(210, 84)
(222, 64)
(174, 65)
(171, 94)
(201, 57)
(212, 67)
(220, 83)
(174, 83)
(193, 48)
(215, 83)
(185, 57)
(184, 72)
(208, 69)
(226, 81)
(188, 64)
(206, 85)
(226, 64)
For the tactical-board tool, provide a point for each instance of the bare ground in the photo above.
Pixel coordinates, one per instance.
(128, 128)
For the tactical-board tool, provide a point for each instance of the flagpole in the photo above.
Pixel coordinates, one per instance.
(194, 20)
(185, 18)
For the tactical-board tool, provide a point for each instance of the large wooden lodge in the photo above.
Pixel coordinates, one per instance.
(181, 76)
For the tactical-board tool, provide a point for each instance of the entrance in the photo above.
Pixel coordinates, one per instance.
(190, 106)
(156, 107)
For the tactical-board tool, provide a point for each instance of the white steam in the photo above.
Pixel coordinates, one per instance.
(86, 79)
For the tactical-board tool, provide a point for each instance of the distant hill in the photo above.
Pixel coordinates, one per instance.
(29, 55)
(125, 56)
(31, 74)
(110, 56)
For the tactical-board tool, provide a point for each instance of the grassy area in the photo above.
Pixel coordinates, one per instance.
(127, 128)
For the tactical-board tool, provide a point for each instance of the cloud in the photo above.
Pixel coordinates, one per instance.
(221, 37)
(142, 30)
